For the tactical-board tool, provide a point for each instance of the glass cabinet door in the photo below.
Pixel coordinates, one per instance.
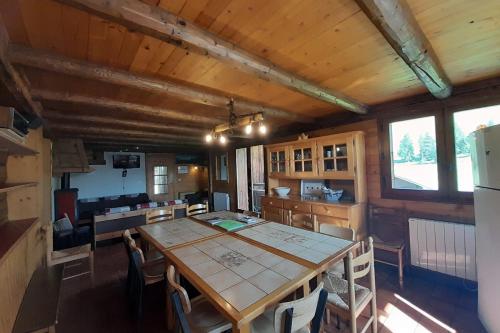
(304, 160)
(278, 159)
(335, 158)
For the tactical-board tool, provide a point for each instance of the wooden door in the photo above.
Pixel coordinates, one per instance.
(303, 160)
(278, 160)
(160, 176)
(242, 179)
(336, 157)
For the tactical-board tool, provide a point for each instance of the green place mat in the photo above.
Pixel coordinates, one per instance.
(230, 225)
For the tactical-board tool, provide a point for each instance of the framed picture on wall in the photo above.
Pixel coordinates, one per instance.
(182, 169)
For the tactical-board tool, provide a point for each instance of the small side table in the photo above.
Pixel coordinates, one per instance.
(397, 247)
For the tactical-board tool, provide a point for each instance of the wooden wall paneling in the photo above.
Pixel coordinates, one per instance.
(29, 252)
(14, 277)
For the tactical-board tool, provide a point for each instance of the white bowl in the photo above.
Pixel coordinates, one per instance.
(282, 191)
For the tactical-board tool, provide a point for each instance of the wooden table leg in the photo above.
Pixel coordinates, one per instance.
(306, 289)
(241, 328)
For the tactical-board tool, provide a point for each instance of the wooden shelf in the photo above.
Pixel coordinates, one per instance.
(15, 186)
(12, 232)
(10, 142)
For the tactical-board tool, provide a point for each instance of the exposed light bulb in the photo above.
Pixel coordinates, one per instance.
(208, 138)
(262, 129)
(248, 129)
(222, 139)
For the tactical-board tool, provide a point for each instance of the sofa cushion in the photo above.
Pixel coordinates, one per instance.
(63, 224)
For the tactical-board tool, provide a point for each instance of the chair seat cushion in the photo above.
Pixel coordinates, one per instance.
(205, 318)
(338, 292)
(265, 324)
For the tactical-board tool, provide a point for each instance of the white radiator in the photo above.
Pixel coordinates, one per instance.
(221, 201)
(445, 247)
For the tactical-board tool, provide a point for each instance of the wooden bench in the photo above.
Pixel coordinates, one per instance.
(38, 310)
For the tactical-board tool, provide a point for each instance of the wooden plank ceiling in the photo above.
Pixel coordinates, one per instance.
(331, 43)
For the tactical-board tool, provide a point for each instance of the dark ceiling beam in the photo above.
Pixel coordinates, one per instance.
(59, 127)
(49, 61)
(133, 108)
(14, 81)
(161, 24)
(72, 118)
(121, 139)
(394, 19)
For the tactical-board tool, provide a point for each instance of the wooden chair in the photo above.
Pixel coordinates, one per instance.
(388, 233)
(143, 273)
(337, 268)
(159, 215)
(305, 221)
(251, 213)
(303, 315)
(348, 299)
(339, 232)
(196, 315)
(197, 209)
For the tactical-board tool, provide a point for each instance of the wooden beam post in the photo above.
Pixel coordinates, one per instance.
(159, 23)
(394, 19)
(60, 64)
(52, 115)
(14, 82)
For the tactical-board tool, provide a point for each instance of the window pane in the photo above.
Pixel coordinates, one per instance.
(466, 122)
(160, 170)
(414, 154)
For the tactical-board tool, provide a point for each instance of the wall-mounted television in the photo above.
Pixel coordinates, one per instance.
(126, 161)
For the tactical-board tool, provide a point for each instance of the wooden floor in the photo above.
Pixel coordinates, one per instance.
(423, 306)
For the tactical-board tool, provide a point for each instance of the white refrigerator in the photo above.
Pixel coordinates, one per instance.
(485, 148)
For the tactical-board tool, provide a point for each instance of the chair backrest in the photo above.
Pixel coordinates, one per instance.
(197, 209)
(336, 231)
(179, 313)
(127, 237)
(307, 310)
(300, 220)
(174, 287)
(362, 265)
(250, 213)
(159, 215)
(134, 248)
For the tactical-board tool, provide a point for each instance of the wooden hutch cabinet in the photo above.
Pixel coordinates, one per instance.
(339, 159)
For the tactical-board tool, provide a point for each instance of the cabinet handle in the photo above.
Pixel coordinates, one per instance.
(295, 207)
(270, 202)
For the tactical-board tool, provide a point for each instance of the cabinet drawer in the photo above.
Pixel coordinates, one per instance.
(328, 210)
(266, 201)
(272, 214)
(322, 219)
(297, 206)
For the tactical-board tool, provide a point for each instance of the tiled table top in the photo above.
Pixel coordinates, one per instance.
(224, 215)
(310, 246)
(176, 232)
(239, 272)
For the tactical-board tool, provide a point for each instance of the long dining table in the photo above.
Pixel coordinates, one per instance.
(247, 271)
